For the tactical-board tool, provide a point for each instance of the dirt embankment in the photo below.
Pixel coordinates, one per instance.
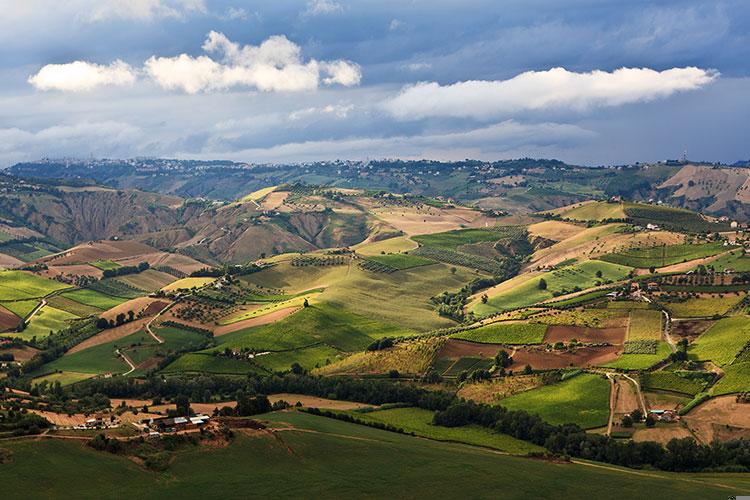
(720, 418)
(109, 335)
(582, 357)
(565, 333)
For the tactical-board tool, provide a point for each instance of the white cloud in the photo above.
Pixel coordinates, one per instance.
(556, 88)
(140, 10)
(274, 65)
(418, 66)
(321, 7)
(395, 24)
(81, 75)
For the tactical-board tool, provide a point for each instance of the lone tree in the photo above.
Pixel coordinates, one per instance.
(542, 284)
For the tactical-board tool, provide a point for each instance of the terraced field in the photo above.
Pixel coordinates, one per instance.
(568, 278)
(505, 333)
(705, 305)
(661, 256)
(48, 320)
(592, 211)
(645, 324)
(723, 341)
(93, 298)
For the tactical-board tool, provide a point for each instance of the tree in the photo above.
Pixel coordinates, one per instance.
(599, 273)
(527, 370)
(120, 319)
(183, 405)
(636, 415)
(305, 303)
(453, 270)
(650, 422)
(542, 284)
(102, 323)
(503, 359)
(627, 421)
(131, 315)
(484, 298)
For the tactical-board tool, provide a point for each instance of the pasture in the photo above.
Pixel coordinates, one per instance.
(20, 285)
(94, 298)
(669, 381)
(399, 244)
(505, 333)
(347, 454)
(65, 378)
(105, 265)
(149, 280)
(582, 400)
(21, 308)
(48, 320)
(419, 421)
(722, 342)
(73, 307)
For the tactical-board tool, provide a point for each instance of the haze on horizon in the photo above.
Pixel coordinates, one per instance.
(588, 82)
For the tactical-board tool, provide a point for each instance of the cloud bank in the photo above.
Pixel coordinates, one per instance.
(556, 88)
(276, 65)
(81, 76)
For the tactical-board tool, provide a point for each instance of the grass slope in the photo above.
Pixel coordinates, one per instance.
(47, 320)
(663, 255)
(583, 400)
(335, 460)
(19, 285)
(94, 299)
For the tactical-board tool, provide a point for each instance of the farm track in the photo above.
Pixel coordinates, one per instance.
(127, 360)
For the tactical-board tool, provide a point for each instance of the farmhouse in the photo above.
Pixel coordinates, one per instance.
(174, 424)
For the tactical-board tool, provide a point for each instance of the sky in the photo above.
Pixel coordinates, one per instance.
(592, 82)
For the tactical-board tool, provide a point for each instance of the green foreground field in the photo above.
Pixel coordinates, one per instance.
(582, 400)
(505, 333)
(336, 460)
(663, 255)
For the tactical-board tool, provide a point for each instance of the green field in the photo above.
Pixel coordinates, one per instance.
(581, 275)
(319, 323)
(19, 285)
(336, 460)
(73, 307)
(722, 342)
(469, 364)
(207, 363)
(505, 333)
(398, 244)
(645, 324)
(97, 359)
(737, 261)
(582, 400)
(663, 255)
(47, 320)
(65, 378)
(94, 299)
(641, 361)
(401, 298)
(401, 261)
(701, 307)
(419, 422)
(21, 308)
(668, 381)
(309, 358)
(105, 265)
(736, 379)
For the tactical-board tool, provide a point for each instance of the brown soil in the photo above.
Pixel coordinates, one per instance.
(73, 270)
(20, 353)
(257, 321)
(99, 250)
(454, 348)
(690, 329)
(10, 262)
(627, 399)
(274, 200)
(664, 401)
(315, 402)
(720, 418)
(564, 333)
(8, 320)
(582, 357)
(62, 419)
(146, 306)
(661, 433)
(109, 335)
